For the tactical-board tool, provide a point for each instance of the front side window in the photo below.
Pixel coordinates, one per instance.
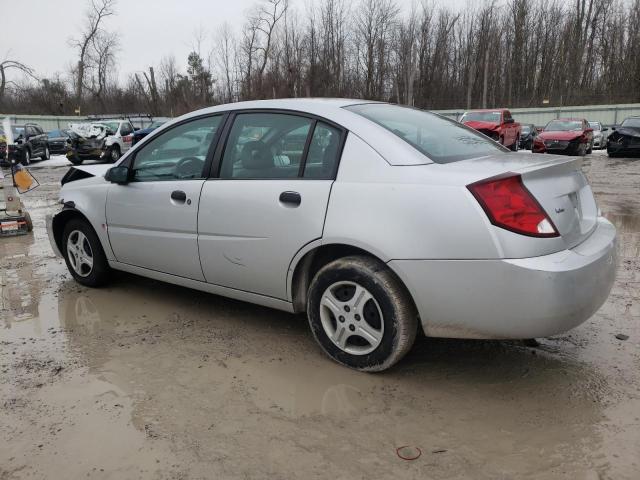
(265, 145)
(177, 154)
(439, 138)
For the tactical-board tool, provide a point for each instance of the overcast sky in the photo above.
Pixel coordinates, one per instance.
(148, 29)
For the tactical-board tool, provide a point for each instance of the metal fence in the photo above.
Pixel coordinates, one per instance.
(53, 122)
(606, 114)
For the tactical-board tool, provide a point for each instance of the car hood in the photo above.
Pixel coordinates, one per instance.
(94, 170)
(629, 131)
(478, 125)
(559, 135)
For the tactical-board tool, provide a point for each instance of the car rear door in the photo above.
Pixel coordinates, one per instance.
(269, 199)
(152, 220)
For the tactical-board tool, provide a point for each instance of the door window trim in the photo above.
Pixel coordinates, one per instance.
(216, 164)
(224, 117)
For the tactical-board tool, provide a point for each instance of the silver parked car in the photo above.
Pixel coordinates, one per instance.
(373, 218)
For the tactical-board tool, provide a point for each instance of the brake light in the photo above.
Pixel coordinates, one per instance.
(509, 205)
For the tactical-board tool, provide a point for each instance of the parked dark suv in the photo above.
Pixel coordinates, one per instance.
(30, 142)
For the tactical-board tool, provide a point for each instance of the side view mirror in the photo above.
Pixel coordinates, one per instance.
(605, 129)
(613, 128)
(508, 120)
(19, 141)
(118, 174)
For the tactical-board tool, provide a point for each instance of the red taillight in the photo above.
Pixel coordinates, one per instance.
(509, 205)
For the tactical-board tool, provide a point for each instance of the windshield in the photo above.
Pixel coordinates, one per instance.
(632, 122)
(493, 117)
(563, 125)
(526, 129)
(595, 125)
(113, 126)
(156, 124)
(439, 138)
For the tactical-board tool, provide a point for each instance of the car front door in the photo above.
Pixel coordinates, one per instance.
(152, 220)
(269, 200)
(34, 140)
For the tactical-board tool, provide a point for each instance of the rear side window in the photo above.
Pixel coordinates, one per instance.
(440, 139)
(324, 149)
(265, 145)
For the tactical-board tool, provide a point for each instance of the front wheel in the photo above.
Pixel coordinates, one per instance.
(114, 154)
(361, 314)
(27, 157)
(83, 254)
(46, 155)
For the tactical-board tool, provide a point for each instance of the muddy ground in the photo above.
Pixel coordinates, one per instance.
(147, 380)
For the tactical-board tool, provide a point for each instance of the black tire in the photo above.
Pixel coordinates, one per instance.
(613, 154)
(590, 149)
(100, 271)
(28, 221)
(76, 160)
(26, 157)
(398, 324)
(46, 155)
(114, 154)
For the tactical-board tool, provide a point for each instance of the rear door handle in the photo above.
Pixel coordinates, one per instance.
(178, 196)
(291, 198)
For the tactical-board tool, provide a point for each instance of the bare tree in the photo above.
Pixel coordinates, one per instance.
(95, 15)
(7, 65)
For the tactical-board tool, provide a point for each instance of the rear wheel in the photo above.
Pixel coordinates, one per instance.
(516, 145)
(27, 157)
(361, 314)
(83, 254)
(46, 155)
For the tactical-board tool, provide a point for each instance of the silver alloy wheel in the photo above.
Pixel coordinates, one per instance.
(79, 253)
(27, 157)
(115, 154)
(47, 155)
(351, 318)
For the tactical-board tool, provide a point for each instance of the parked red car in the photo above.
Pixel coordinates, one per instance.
(569, 136)
(497, 124)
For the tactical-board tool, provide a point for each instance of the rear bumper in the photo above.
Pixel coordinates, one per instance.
(515, 298)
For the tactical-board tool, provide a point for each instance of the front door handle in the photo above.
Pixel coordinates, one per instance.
(178, 196)
(291, 198)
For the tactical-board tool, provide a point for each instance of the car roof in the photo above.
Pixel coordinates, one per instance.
(499, 109)
(387, 144)
(569, 119)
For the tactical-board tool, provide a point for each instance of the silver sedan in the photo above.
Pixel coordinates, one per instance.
(374, 219)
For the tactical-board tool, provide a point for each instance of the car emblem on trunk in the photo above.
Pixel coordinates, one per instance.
(559, 210)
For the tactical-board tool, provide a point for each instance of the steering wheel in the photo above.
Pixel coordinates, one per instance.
(189, 167)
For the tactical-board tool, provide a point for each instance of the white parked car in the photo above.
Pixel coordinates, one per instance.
(373, 218)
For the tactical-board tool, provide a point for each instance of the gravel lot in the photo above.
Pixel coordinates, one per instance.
(147, 380)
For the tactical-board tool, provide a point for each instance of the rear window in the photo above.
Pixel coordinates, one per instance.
(439, 138)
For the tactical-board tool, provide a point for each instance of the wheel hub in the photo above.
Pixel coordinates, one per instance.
(351, 318)
(79, 253)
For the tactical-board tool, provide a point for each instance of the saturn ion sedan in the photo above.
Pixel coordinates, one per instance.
(374, 219)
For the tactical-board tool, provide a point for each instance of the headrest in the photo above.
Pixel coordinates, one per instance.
(256, 155)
